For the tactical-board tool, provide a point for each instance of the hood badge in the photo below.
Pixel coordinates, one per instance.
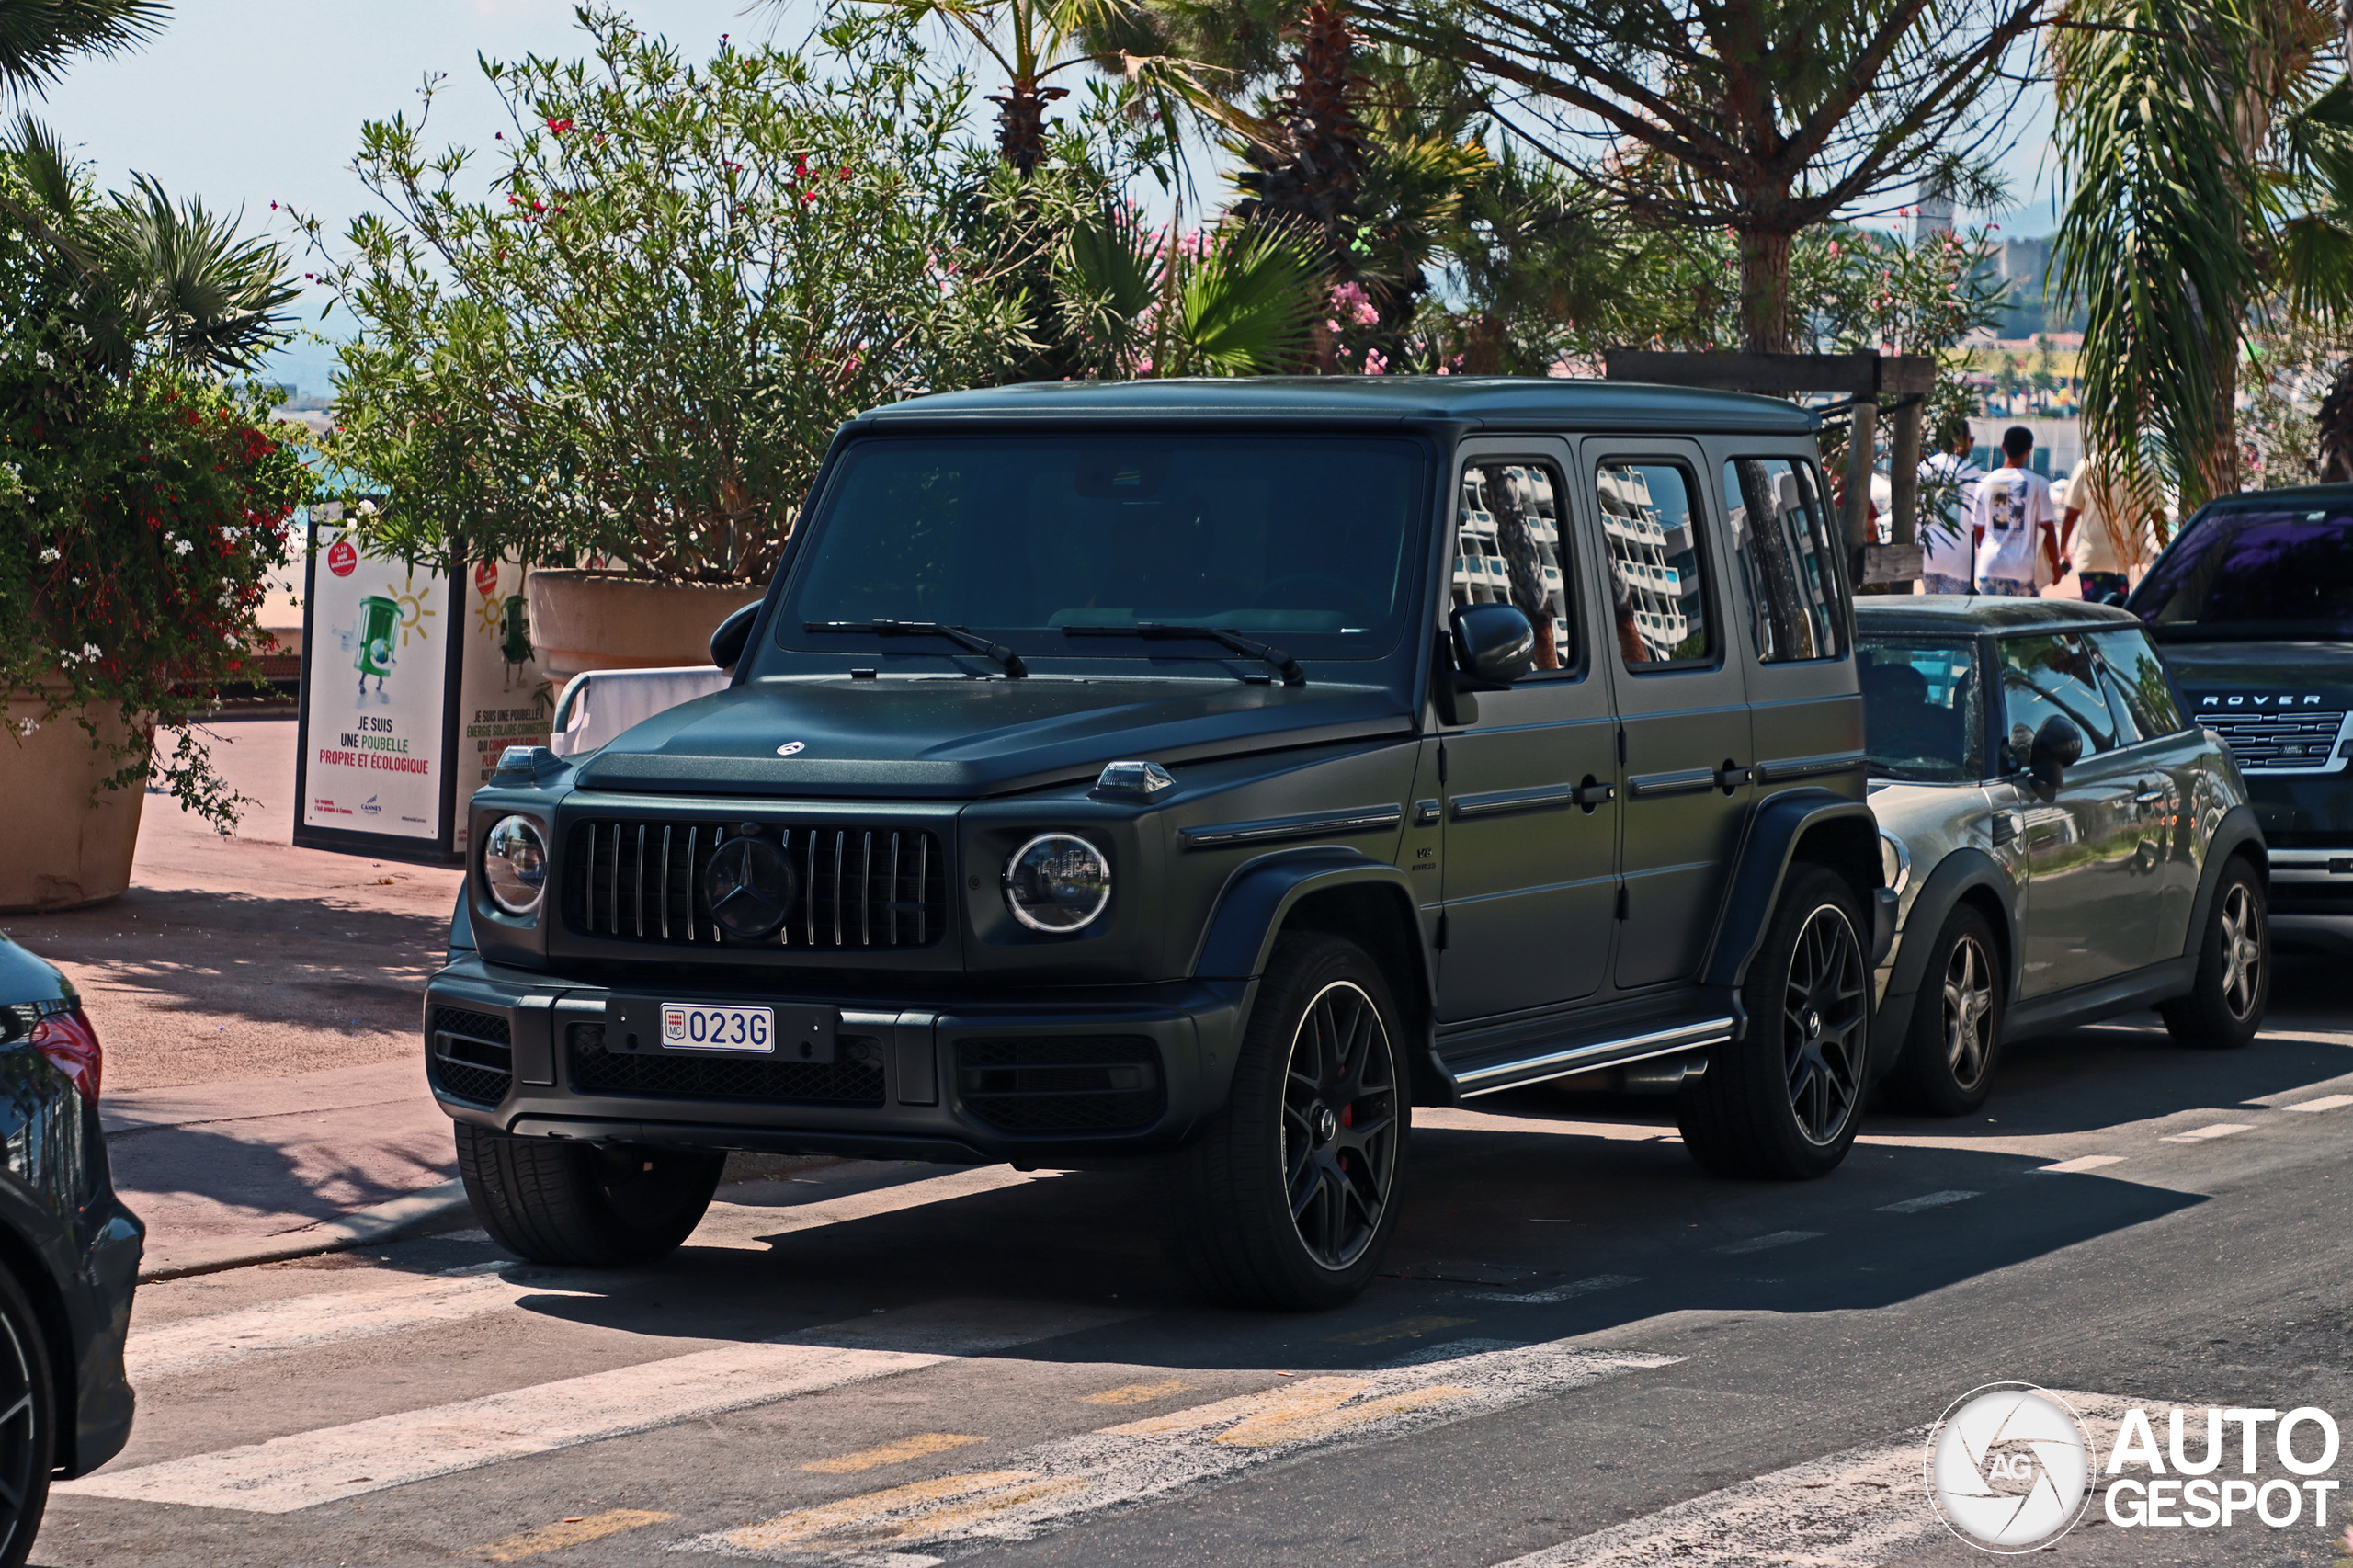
(792, 749)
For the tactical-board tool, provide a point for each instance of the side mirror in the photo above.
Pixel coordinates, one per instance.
(727, 643)
(1493, 646)
(2058, 747)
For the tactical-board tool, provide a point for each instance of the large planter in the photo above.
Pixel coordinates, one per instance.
(595, 620)
(61, 848)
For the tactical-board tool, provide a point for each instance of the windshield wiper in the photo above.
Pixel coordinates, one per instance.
(1157, 631)
(964, 635)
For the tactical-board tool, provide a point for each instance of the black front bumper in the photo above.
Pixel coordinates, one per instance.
(1028, 1078)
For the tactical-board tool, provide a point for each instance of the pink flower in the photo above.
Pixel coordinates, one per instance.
(1349, 300)
(1833, 250)
(1376, 363)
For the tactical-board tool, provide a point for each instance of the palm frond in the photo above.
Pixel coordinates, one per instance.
(40, 38)
(1246, 304)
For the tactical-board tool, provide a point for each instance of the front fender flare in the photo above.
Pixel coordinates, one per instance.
(2239, 829)
(1959, 873)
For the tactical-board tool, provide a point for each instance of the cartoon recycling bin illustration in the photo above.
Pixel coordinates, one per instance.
(379, 618)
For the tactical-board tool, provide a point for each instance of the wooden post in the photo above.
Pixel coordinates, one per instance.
(1903, 471)
(1862, 435)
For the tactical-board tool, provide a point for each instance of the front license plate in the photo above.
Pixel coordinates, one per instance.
(689, 1026)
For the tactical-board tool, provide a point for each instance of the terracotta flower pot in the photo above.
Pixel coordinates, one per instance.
(63, 849)
(595, 620)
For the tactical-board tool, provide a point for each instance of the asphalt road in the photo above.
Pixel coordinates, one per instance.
(1589, 1352)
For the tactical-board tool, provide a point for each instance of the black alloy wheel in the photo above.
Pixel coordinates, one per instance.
(1782, 1100)
(1339, 1125)
(1956, 1032)
(28, 1424)
(1289, 1196)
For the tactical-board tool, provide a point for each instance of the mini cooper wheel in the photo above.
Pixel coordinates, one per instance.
(598, 1207)
(1782, 1100)
(1956, 1034)
(1291, 1196)
(28, 1424)
(2224, 1007)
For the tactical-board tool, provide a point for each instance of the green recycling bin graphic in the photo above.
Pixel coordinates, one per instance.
(379, 619)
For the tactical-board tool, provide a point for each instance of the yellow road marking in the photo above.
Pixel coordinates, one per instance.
(1303, 1424)
(897, 1452)
(1306, 1397)
(788, 1530)
(942, 1521)
(1137, 1393)
(571, 1532)
(1403, 1328)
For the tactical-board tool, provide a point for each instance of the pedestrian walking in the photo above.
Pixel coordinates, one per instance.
(1948, 552)
(2013, 523)
(2092, 532)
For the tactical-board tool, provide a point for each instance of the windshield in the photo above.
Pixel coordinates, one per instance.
(1300, 541)
(2255, 571)
(1923, 716)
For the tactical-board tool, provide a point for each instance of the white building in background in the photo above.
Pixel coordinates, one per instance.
(1657, 562)
(1481, 575)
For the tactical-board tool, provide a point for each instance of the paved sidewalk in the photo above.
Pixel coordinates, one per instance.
(258, 1005)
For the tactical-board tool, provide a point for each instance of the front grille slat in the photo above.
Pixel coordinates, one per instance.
(2260, 742)
(641, 881)
(472, 1055)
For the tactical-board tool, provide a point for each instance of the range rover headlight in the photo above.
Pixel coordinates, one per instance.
(1895, 861)
(515, 865)
(1057, 882)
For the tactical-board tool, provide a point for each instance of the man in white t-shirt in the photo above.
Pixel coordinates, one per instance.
(2090, 532)
(1948, 552)
(2012, 519)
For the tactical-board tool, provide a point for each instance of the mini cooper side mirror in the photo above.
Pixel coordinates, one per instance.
(727, 643)
(2058, 747)
(1493, 646)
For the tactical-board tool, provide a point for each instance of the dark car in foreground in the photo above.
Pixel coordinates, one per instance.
(2252, 607)
(69, 1252)
(1207, 773)
(2067, 842)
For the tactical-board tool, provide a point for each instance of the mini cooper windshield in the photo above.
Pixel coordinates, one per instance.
(1923, 708)
(1057, 546)
(2255, 571)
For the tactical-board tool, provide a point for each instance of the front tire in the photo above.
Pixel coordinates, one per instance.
(1782, 1100)
(28, 1424)
(1290, 1196)
(1956, 1033)
(2225, 1004)
(597, 1207)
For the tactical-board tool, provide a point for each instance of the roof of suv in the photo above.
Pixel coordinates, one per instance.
(1952, 613)
(1519, 400)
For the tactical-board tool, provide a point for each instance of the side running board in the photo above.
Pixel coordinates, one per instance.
(1474, 1078)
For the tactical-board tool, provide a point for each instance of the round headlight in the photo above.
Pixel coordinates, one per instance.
(1057, 883)
(515, 864)
(1895, 861)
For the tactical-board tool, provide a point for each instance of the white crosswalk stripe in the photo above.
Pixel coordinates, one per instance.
(1847, 1510)
(1063, 1480)
(308, 1468)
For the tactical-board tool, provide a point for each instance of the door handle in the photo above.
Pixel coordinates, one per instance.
(1732, 778)
(1592, 795)
(2150, 796)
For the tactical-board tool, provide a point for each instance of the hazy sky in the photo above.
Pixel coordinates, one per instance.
(248, 102)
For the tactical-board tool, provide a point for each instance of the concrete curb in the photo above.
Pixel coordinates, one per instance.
(380, 1221)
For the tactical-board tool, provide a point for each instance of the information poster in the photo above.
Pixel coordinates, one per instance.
(382, 655)
(503, 695)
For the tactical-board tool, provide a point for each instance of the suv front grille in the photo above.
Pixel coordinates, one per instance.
(472, 1055)
(853, 1078)
(860, 887)
(1061, 1082)
(2271, 743)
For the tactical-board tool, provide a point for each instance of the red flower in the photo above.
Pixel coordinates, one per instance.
(807, 196)
(559, 126)
(800, 167)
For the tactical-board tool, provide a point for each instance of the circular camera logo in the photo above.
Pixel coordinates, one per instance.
(2009, 1466)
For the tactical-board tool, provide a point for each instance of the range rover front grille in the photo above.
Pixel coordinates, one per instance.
(853, 1078)
(2303, 739)
(473, 1055)
(859, 887)
(1061, 1082)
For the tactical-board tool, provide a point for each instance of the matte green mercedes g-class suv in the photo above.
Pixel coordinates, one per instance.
(1205, 773)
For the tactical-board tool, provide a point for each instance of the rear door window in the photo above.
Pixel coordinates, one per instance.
(1784, 556)
(1650, 525)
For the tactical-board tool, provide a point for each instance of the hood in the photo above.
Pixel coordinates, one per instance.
(960, 738)
(2224, 678)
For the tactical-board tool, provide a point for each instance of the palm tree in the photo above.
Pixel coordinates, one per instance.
(40, 38)
(1238, 300)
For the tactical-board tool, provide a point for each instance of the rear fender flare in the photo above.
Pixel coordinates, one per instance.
(1833, 829)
